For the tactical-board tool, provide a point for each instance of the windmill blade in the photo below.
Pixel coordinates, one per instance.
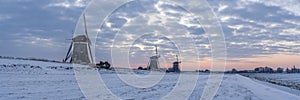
(69, 52)
(71, 60)
(158, 65)
(156, 50)
(148, 66)
(87, 35)
(69, 56)
(85, 26)
(91, 55)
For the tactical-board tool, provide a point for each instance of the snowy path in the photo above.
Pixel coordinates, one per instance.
(59, 84)
(236, 87)
(291, 80)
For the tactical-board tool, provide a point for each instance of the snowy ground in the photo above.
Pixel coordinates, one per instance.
(288, 80)
(32, 80)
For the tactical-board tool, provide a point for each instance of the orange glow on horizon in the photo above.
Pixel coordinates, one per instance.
(273, 61)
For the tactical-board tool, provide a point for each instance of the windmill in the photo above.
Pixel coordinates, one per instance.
(176, 65)
(79, 51)
(154, 62)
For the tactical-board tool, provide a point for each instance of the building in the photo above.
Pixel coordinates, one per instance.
(175, 67)
(80, 49)
(154, 61)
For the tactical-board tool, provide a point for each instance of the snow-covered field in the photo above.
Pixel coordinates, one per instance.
(288, 80)
(33, 80)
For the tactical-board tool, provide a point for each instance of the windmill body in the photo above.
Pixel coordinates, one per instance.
(154, 62)
(176, 65)
(81, 50)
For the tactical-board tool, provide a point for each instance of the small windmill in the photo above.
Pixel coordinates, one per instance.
(176, 65)
(79, 51)
(154, 62)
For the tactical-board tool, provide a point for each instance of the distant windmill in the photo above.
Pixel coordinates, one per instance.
(79, 51)
(154, 62)
(176, 65)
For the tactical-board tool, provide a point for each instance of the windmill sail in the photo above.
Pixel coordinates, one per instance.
(89, 43)
(69, 53)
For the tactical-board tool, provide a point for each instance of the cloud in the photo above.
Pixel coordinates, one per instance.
(290, 31)
(4, 17)
(288, 5)
(247, 25)
(31, 39)
(69, 3)
(31, 29)
(166, 25)
(253, 28)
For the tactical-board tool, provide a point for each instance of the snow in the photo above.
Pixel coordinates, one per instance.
(47, 82)
(283, 88)
(289, 80)
(242, 88)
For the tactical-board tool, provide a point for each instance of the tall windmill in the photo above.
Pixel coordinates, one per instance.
(79, 51)
(154, 62)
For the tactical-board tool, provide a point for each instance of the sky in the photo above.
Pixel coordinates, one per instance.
(257, 32)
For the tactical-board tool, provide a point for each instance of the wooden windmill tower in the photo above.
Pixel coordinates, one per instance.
(154, 62)
(80, 49)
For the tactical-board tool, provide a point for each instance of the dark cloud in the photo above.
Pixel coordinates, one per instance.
(251, 28)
